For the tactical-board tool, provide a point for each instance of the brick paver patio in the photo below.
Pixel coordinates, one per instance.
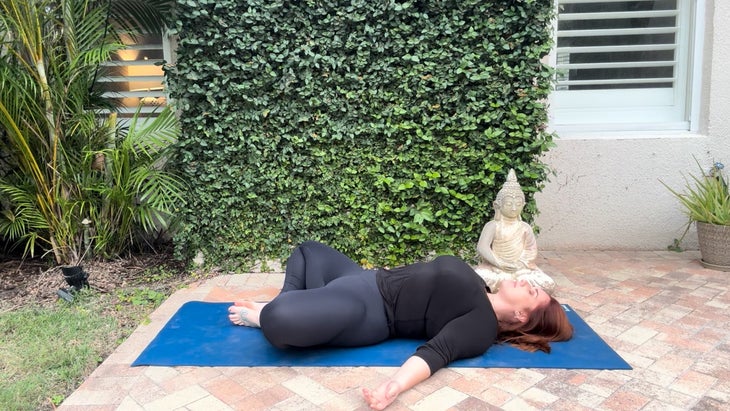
(661, 311)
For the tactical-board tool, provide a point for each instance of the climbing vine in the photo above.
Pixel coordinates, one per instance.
(383, 128)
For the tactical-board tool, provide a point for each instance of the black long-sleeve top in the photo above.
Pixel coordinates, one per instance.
(443, 301)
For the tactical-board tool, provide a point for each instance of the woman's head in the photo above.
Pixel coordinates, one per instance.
(545, 322)
(516, 299)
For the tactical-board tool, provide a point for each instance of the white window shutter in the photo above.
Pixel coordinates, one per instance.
(134, 76)
(622, 64)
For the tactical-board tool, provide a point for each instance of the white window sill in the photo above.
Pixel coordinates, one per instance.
(623, 132)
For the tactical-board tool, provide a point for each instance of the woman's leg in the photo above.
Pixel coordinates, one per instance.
(347, 312)
(313, 265)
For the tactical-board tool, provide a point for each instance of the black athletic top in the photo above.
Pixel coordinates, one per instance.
(443, 301)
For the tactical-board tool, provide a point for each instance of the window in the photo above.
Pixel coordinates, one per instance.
(134, 76)
(624, 65)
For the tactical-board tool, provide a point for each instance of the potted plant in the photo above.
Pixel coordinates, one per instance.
(706, 201)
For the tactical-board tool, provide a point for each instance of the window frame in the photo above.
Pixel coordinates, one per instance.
(685, 116)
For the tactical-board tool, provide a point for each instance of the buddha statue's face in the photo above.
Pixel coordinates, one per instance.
(510, 198)
(511, 206)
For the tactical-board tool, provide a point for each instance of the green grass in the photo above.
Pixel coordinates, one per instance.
(46, 352)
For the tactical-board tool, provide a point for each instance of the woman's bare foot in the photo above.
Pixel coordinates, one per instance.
(245, 313)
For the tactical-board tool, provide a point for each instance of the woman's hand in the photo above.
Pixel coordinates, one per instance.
(382, 396)
(413, 371)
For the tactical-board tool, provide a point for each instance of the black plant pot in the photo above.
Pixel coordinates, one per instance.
(75, 276)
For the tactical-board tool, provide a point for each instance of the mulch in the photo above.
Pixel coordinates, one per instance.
(35, 281)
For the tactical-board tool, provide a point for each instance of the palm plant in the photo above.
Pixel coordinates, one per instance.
(50, 54)
(50, 57)
(137, 194)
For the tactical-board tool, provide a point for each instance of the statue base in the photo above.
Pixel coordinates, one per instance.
(494, 277)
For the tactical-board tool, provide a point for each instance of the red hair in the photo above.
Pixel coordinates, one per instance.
(544, 325)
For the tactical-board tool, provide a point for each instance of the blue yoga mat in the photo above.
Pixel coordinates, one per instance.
(199, 334)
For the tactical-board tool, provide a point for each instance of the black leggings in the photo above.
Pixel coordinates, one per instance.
(327, 299)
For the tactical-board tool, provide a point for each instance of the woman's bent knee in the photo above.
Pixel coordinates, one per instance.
(275, 324)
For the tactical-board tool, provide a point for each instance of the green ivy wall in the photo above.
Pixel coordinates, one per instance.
(383, 128)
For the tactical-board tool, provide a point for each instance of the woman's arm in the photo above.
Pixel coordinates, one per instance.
(413, 371)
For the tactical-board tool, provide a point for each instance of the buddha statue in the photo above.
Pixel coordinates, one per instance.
(507, 247)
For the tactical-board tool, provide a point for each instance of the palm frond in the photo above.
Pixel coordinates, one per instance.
(22, 221)
(151, 136)
(146, 16)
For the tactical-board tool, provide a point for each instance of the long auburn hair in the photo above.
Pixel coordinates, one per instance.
(545, 324)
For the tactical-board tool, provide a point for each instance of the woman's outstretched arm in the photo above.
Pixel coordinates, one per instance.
(413, 371)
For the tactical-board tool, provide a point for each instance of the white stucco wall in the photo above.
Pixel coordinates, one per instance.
(607, 194)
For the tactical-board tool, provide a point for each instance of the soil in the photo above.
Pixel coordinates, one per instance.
(34, 281)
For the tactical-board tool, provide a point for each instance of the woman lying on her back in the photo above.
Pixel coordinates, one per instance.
(328, 299)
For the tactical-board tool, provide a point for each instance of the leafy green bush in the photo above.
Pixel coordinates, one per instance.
(382, 128)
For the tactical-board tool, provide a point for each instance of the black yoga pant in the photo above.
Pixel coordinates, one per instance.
(327, 299)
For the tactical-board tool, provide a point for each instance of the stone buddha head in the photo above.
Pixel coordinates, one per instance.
(510, 199)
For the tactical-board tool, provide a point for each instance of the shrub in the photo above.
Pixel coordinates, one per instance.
(381, 128)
